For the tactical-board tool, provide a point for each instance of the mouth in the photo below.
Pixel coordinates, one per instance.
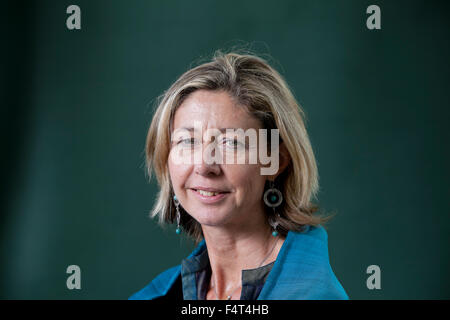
(209, 196)
(208, 193)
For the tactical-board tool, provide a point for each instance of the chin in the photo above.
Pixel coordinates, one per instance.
(210, 217)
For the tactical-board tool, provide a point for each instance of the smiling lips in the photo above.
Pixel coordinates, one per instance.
(209, 195)
(208, 191)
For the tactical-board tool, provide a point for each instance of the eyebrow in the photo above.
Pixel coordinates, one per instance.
(223, 130)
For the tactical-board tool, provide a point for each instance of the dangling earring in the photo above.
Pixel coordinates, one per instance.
(273, 198)
(177, 204)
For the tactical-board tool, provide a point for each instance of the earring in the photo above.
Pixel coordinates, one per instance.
(274, 224)
(177, 204)
(273, 198)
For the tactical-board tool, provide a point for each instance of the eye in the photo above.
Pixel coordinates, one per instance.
(233, 143)
(187, 141)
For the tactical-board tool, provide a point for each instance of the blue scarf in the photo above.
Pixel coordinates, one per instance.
(301, 271)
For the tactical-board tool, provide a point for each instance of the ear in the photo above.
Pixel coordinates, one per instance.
(284, 161)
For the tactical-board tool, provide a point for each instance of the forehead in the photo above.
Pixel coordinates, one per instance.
(214, 109)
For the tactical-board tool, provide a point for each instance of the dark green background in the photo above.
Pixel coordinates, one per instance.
(76, 105)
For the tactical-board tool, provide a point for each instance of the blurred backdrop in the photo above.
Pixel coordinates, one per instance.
(76, 105)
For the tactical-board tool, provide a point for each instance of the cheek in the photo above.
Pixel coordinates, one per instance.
(249, 183)
(178, 175)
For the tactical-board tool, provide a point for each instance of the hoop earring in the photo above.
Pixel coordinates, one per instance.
(177, 204)
(273, 198)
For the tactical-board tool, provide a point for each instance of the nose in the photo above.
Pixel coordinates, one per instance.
(208, 166)
(204, 169)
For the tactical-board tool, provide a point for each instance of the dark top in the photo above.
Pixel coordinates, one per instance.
(193, 283)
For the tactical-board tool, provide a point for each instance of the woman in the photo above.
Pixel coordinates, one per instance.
(253, 220)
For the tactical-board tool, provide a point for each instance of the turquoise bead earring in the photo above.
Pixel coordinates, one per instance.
(273, 198)
(177, 204)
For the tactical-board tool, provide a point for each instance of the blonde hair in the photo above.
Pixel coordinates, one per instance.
(263, 92)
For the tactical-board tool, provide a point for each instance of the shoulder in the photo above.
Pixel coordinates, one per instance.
(159, 286)
(321, 282)
(317, 232)
(312, 238)
(302, 269)
(307, 247)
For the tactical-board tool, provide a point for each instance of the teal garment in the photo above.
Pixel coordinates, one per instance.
(301, 271)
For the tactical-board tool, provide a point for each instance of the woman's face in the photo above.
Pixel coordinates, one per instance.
(240, 186)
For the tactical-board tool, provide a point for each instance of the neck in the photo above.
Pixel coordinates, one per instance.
(230, 252)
